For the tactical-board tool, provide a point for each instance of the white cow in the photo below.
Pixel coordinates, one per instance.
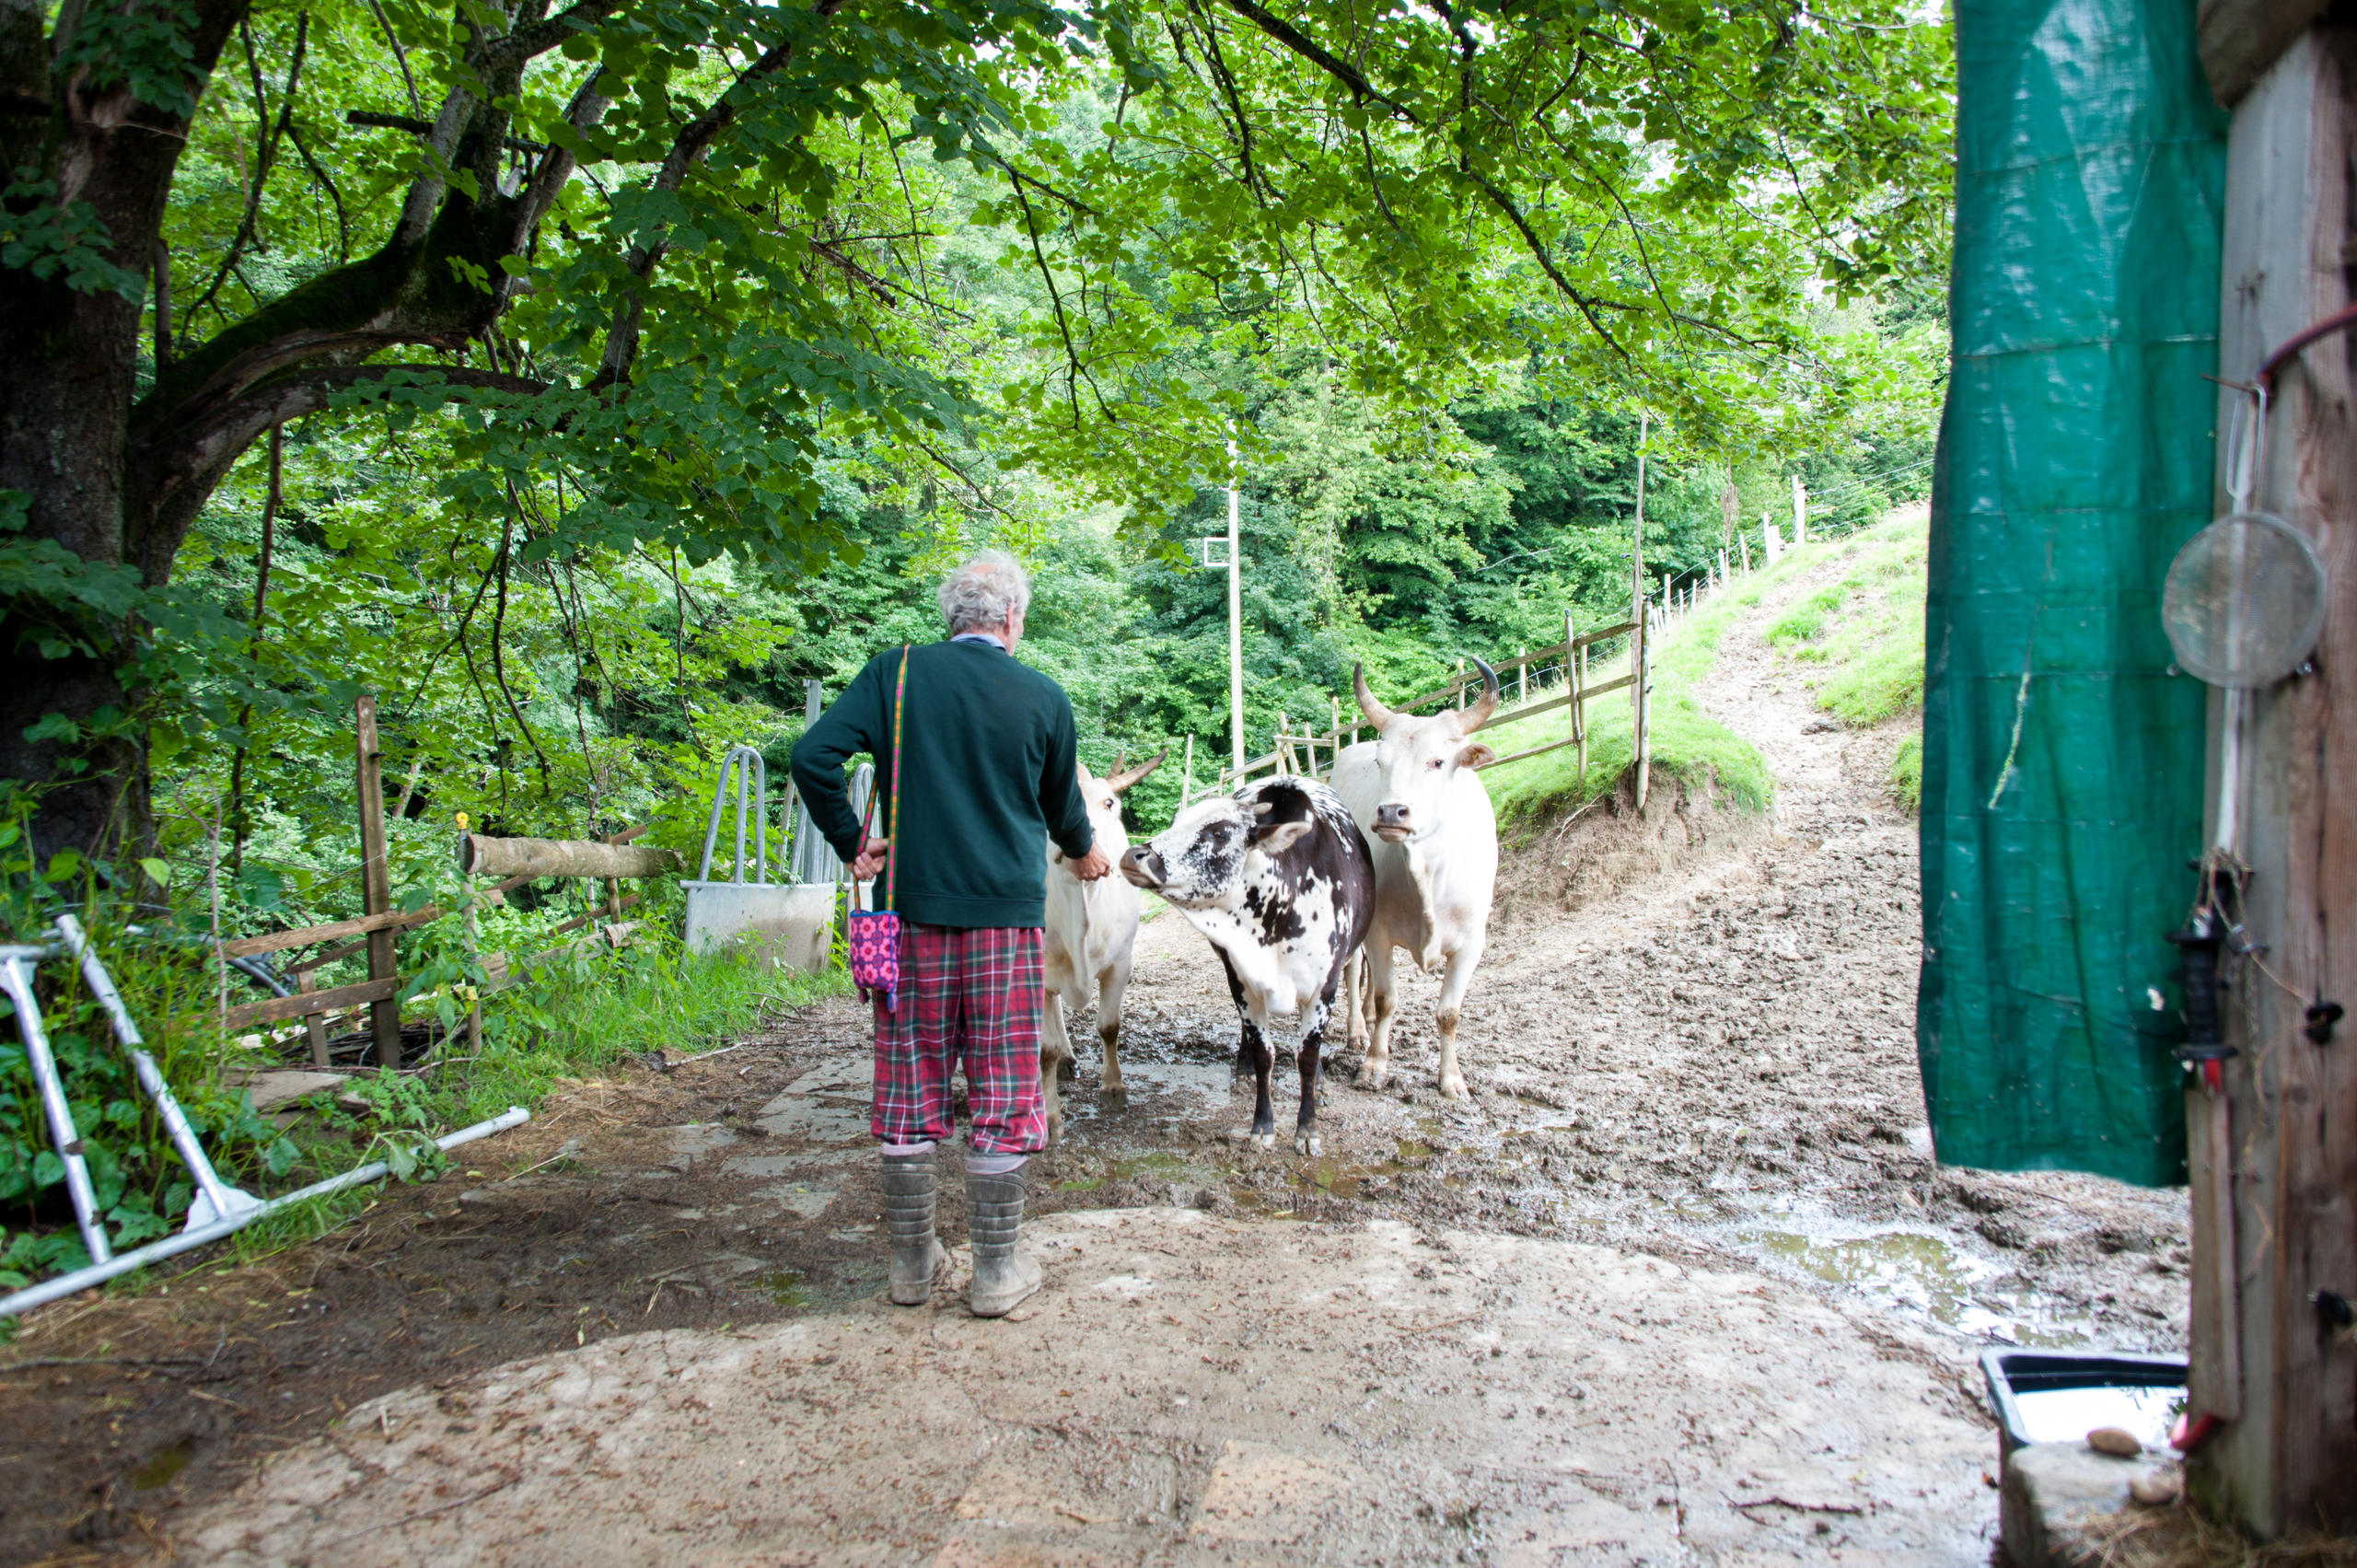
(1092, 926)
(1435, 835)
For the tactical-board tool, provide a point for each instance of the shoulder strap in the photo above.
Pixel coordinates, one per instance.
(892, 854)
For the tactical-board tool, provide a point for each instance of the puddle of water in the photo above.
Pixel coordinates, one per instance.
(162, 1466)
(1356, 1181)
(1920, 1273)
(798, 1197)
(784, 1286)
(1150, 1089)
(2067, 1415)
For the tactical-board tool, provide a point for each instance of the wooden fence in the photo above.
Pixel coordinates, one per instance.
(1297, 749)
(374, 930)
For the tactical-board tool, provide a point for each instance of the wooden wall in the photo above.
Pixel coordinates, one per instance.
(2290, 1460)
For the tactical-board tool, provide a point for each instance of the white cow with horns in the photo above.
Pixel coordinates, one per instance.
(1434, 834)
(1091, 930)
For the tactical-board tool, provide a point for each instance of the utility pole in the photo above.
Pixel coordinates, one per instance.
(1637, 546)
(1234, 617)
(1639, 655)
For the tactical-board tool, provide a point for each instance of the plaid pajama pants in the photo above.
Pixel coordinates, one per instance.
(970, 995)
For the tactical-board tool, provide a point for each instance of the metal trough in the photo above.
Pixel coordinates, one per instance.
(793, 923)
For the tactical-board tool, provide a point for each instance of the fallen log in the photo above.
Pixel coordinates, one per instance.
(480, 857)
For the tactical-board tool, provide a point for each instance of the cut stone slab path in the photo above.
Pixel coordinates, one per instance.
(1187, 1388)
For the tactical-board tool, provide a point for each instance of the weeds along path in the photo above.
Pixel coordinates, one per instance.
(1678, 1282)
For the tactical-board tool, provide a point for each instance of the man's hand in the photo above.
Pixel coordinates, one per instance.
(1092, 866)
(870, 863)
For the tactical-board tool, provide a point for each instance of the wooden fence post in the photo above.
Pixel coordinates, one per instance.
(1744, 541)
(1574, 681)
(1642, 667)
(1187, 775)
(1460, 683)
(1522, 677)
(313, 1023)
(473, 934)
(2274, 1247)
(377, 883)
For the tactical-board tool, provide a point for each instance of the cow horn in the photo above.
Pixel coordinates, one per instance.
(1474, 717)
(1122, 781)
(1376, 713)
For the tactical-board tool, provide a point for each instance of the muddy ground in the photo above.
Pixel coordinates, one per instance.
(1679, 1282)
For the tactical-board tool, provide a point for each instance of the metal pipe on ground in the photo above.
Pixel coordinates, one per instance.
(480, 857)
(154, 1251)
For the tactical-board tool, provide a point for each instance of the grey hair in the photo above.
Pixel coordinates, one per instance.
(991, 586)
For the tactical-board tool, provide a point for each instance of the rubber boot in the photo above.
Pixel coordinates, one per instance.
(917, 1256)
(1003, 1278)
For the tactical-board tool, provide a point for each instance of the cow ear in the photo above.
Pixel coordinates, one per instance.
(1280, 838)
(1475, 755)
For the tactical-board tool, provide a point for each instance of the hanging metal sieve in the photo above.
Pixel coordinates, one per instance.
(2245, 601)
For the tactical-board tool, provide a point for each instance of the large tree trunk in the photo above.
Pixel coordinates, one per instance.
(68, 366)
(108, 483)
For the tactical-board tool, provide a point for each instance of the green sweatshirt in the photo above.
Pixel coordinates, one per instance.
(989, 779)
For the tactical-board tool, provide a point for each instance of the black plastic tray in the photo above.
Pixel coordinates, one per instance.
(2036, 1371)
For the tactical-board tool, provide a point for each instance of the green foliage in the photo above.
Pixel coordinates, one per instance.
(1804, 622)
(142, 1187)
(1907, 773)
(1871, 657)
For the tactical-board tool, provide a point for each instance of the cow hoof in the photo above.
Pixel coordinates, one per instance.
(1370, 1077)
(1109, 1086)
(1055, 1131)
(1452, 1088)
(1307, 1143)
(1264, 1140)
(1066, 1071)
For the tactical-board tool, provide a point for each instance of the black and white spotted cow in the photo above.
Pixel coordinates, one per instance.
(1279, 878)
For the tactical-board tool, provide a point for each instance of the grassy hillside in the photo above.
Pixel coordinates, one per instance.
(1687, 744)
(1859, 642)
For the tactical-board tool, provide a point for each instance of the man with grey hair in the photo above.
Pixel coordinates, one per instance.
(987, 758)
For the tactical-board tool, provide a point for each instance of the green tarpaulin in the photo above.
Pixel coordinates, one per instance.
(2062, 764)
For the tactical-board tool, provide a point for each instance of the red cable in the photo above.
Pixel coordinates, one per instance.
(2265, 379)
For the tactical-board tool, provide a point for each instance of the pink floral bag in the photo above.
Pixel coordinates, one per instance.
(872, 936)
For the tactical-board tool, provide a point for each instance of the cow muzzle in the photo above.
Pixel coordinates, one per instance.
(1393, 822)
(1141, 868)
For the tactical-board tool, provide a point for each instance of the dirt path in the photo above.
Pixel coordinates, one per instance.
(1678, 1282)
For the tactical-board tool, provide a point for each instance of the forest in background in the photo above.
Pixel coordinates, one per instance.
(740, 324)
(539, 680)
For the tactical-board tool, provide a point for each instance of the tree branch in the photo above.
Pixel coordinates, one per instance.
(1538, 248)
(498, 637)
(535, 39)
(265, 151)
(1074, 372)
(209, 442)
(687, 150)
(1293, 38)
(416, 125)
